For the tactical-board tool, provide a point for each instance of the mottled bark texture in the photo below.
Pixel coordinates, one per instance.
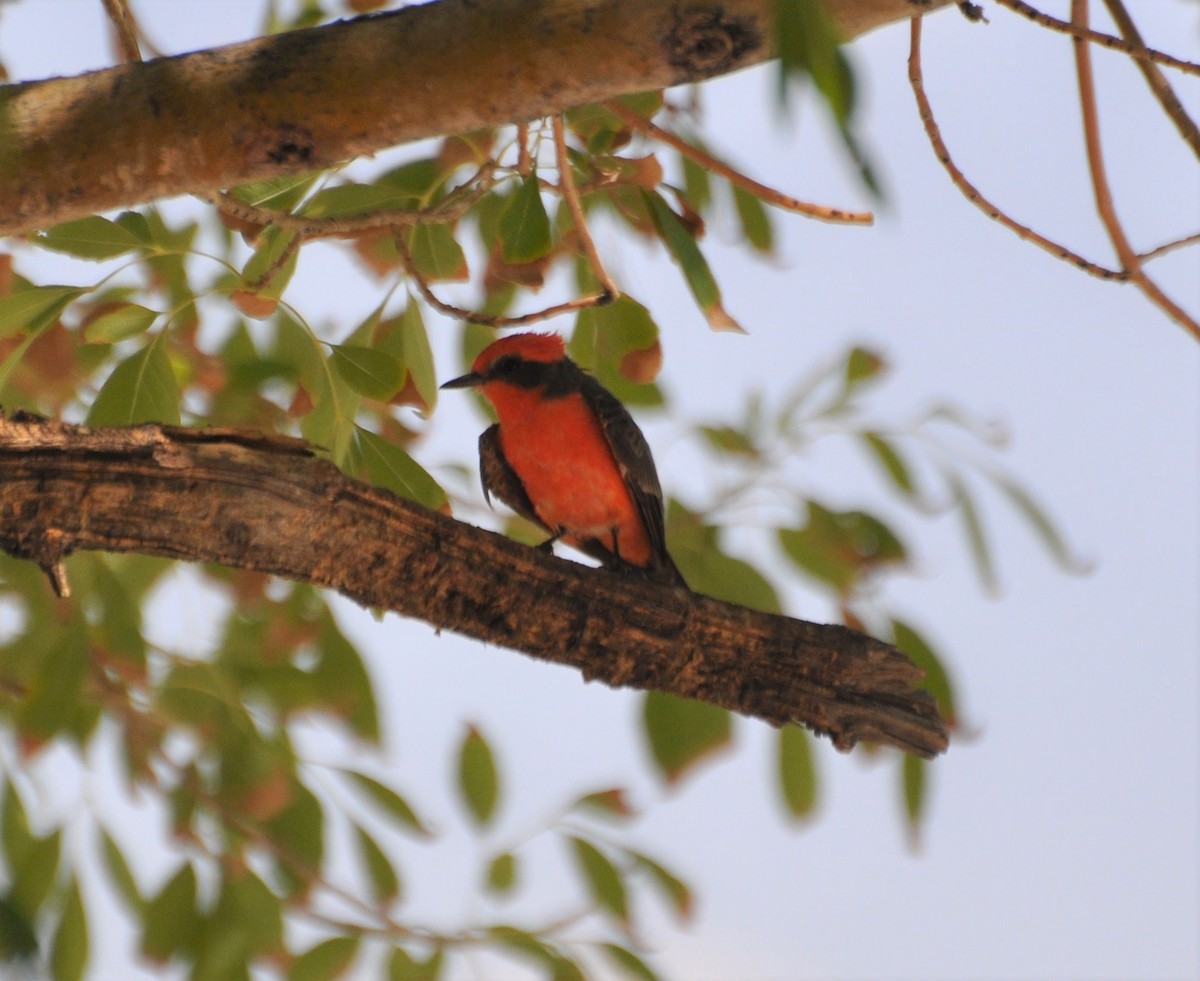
(311, 98)
(266, 503)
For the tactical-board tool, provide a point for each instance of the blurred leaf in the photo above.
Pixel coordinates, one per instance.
(123, 321)
(681, 732)
(170, 916)
(141, 388)
(120, 873)
(385, 883)
(607, 803)
(755, 222)
(697, 551)
(913, 773)
(524, 226)
(727, 439)
(862, 365)
(936, 680)
(502, 873)
(278, 193)
(341, 675)
(886, 455)
(388, 801)
(676, 892)
(391, 467)
(808, 45)
(299, 831)
(605, 336)
(402, 966)
(682, 245)
(436, 254)
(841, 547)
(325, 961)
(375, 374)
(603, 879)
(33, 874)
(629, 963)
(478, 781)
(981, 553)
(697, 184)
(1042, 525)
(797, 773)
(69, 949)
(18, 940)
(93, 237)
(35, 308)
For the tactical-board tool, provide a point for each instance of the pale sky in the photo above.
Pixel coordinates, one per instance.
(1062, 838)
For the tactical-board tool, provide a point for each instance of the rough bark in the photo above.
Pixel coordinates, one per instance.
(312, 98)
(266, 503)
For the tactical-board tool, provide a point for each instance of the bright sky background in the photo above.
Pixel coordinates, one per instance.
(1062, 839)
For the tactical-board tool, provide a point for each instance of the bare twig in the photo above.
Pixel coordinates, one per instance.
(1134, 50)
(1162, 250)
(1130, 262)
(1155, 79)
(125, 28)
(478, 316)
(710, 163)
(570, 194)
(968, 189)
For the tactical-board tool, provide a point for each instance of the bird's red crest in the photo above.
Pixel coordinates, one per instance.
(532, 347)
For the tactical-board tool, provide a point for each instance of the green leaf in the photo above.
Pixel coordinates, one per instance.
(418, 355)
(35, 308)
(681, 732)
(93, 237)
(936, 680)
(502, 873)
(629, 963)
(841, 548)
(69, 949)
(886, 455)
(120, 873)
(524, 226)
(142, 388)
(327, 960)
(1044, 528)
(682, 245)
(607, 803)
(390, 466)
(388, 801)
(169, 920)
(375, 374)
(385, 883)
(18, 940)
(862, 365)
(981, 552)
(676, 892)
(478, 780)
(33, 874)
(797, 773)
(278, 193)
(697, 551)
(125, 320)
(603, 880)
(299, 831)
(269, 270)
(349, 200)
(754, 219)
(437, 255)
(605, 336)
(402, 966)
(727, 439)
(697, 185)
(913, 772)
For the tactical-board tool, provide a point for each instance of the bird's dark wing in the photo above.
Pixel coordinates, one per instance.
(632, 453)
(500, 480)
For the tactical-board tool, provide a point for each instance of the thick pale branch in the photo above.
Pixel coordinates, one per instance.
(265, 503)
(311, 98)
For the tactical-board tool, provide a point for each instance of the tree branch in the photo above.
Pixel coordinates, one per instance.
(308, 99)
(266, 503)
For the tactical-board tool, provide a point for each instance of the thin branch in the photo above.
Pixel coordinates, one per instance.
(265, 503)
(712, 164)
(972, 194)
(478, 316)
(1137, 51)
(1155, 79)
(1103, 193)
(1162, 250)
(570, 194)
(125, 28)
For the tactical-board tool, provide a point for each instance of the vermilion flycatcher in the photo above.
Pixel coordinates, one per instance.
(568, 456)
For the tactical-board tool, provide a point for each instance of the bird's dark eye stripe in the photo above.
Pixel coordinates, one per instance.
(553, 377)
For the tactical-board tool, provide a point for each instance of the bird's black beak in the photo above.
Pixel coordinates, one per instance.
(469, 380)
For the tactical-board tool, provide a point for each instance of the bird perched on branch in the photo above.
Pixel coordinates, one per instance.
(567, 455)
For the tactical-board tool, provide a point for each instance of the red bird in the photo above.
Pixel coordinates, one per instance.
(568, 456)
